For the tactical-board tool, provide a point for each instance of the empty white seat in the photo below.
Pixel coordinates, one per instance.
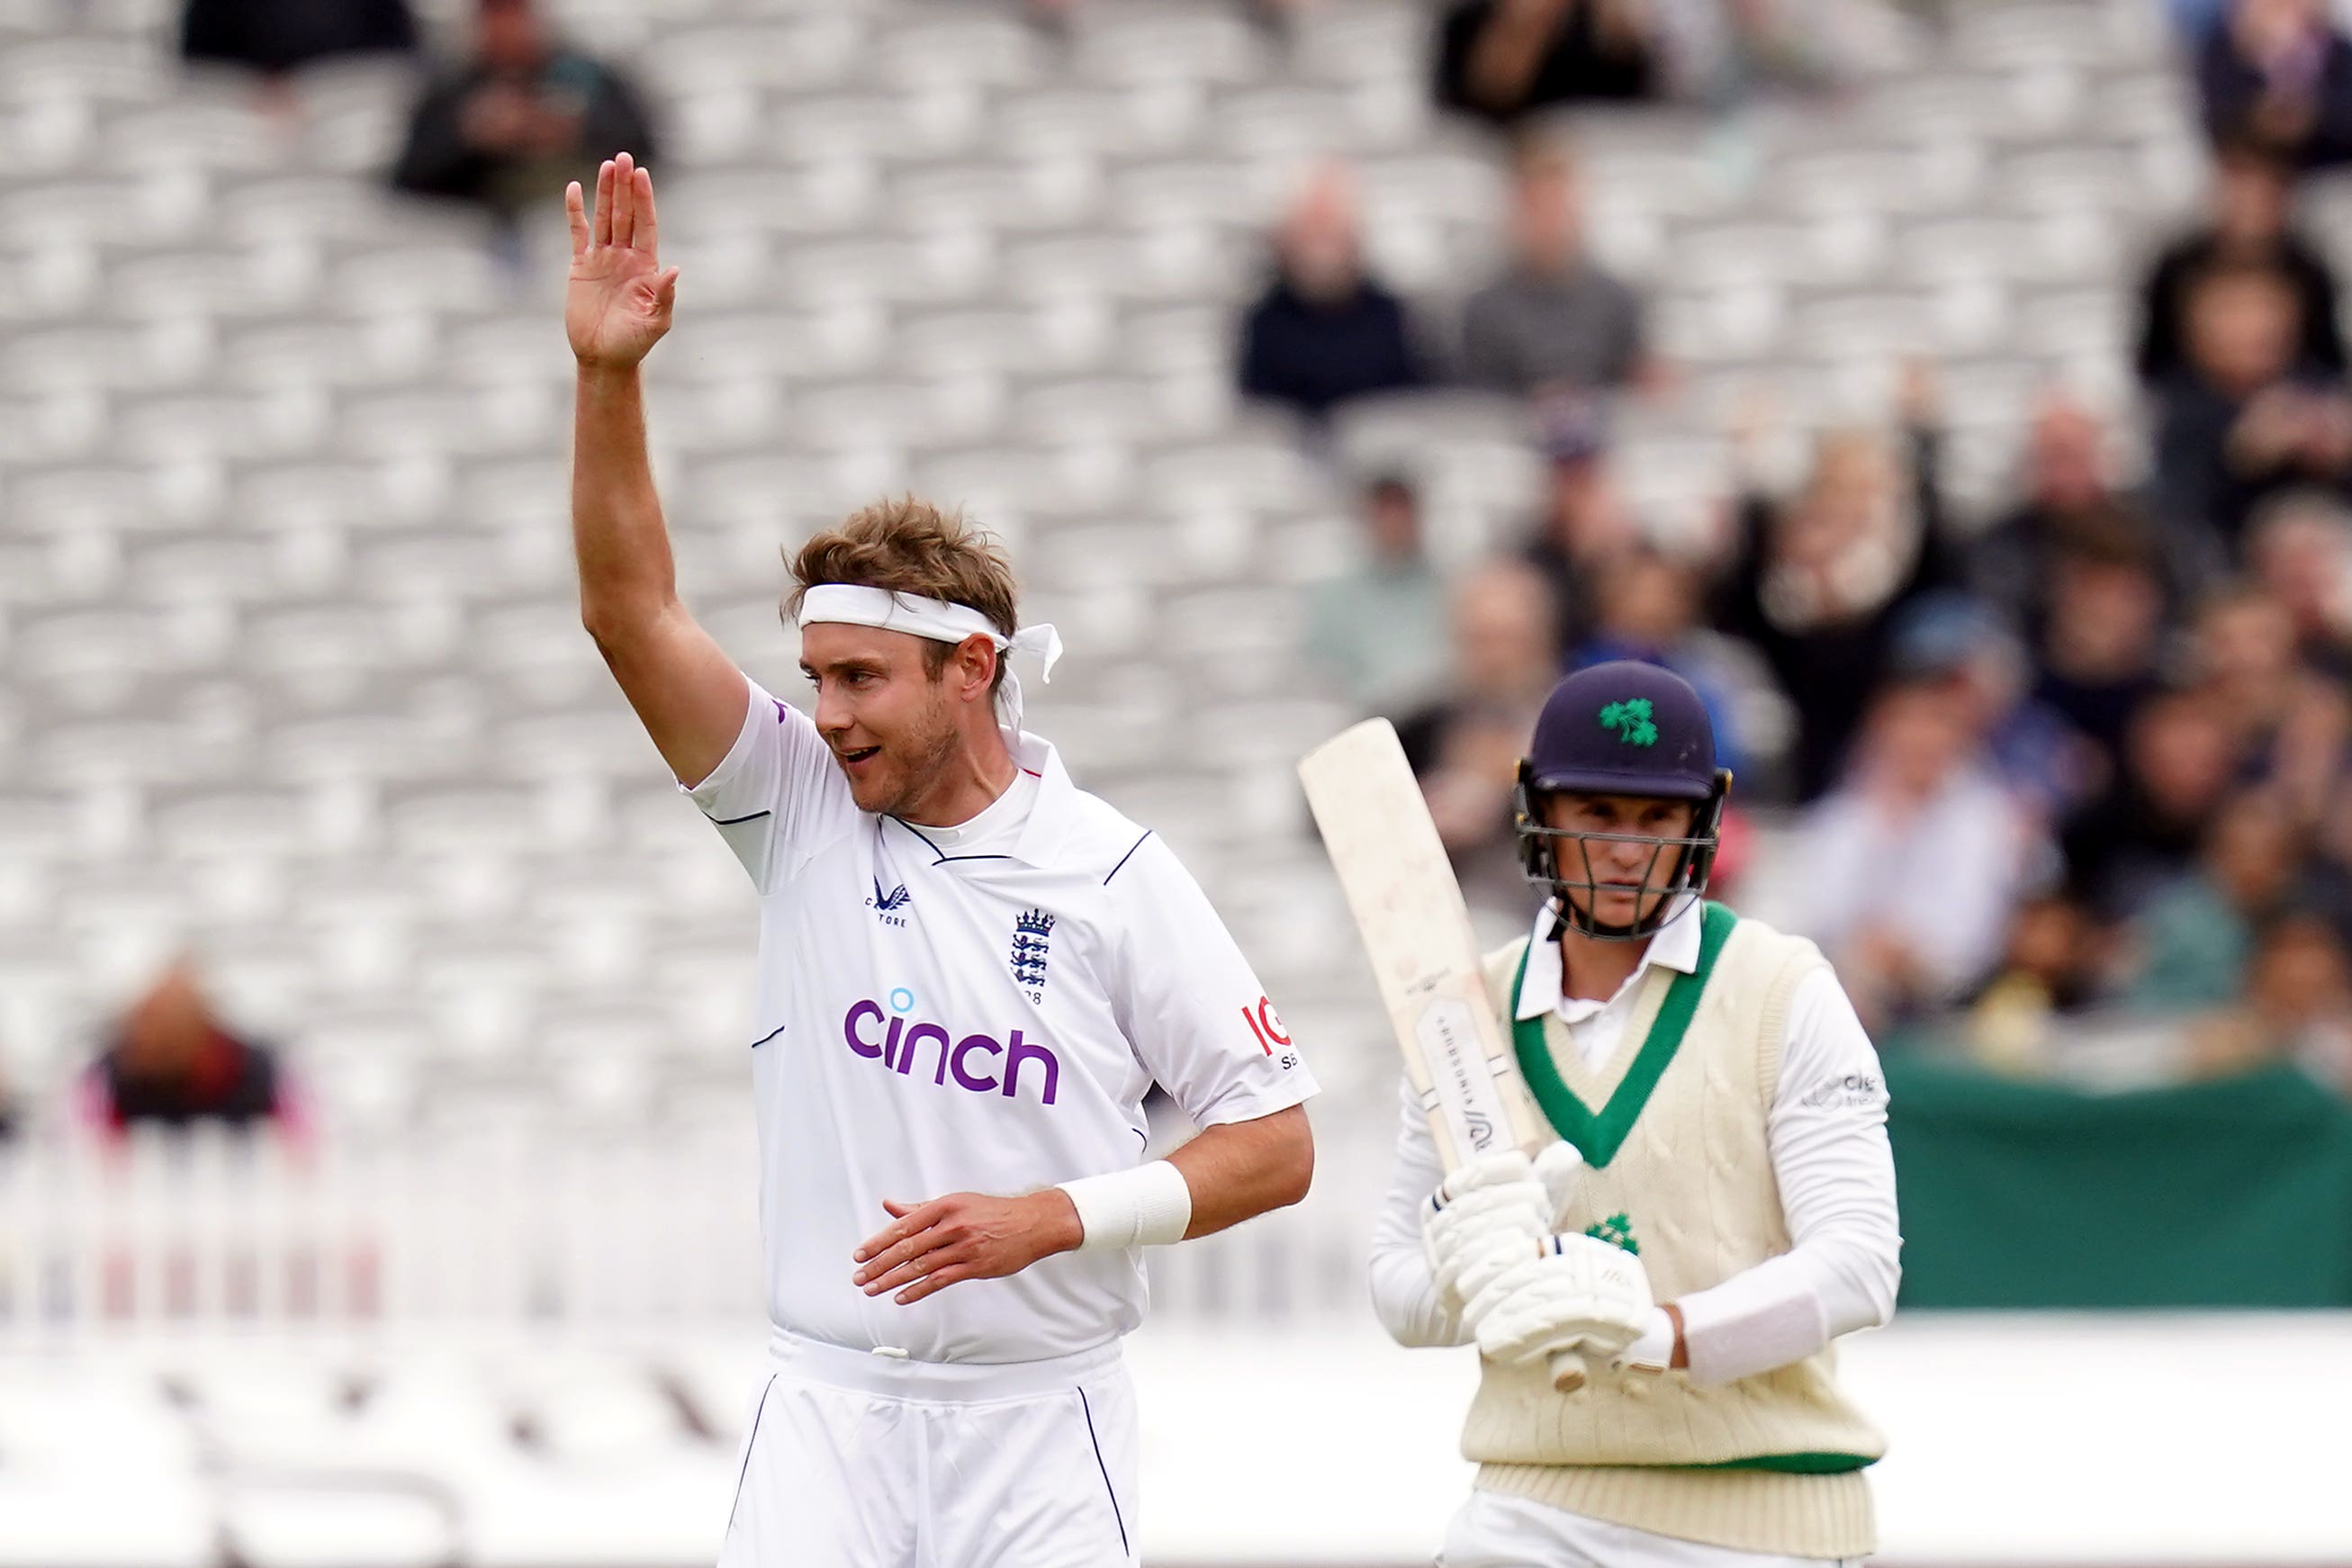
(1126, 42)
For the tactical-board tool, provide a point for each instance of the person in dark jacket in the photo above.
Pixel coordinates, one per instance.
(172, 1063)
(1815, 583)
(2252, 196)
(2246, 414)
(1324, 331)
(1499, 60)
(507, 127)
(2066, 490)
(2279, 71)
(1585, 527)
(275, 36)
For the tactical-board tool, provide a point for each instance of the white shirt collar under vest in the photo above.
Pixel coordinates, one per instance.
(1676, 947)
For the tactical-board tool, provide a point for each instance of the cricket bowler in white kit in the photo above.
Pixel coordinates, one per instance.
(971, 971)
(1720, 1206)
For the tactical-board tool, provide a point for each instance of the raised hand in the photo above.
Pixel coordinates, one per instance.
(617, 304)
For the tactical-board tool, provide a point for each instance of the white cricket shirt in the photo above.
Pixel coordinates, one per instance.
(977, 1008)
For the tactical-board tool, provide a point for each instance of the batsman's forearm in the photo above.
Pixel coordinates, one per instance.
(1242, 1169)
(617, 533)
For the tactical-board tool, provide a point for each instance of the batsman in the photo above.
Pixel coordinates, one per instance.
(1719, 1208)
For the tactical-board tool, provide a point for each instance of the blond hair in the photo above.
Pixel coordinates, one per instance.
(907, 545)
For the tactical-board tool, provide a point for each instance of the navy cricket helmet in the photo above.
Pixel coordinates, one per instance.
(1624, 728)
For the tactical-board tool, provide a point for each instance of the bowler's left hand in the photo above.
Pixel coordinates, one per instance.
(964, 1236)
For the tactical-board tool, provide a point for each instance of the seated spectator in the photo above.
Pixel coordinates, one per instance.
(2244, 414)
(2297, 1006)
(2191, 945)
(1465, 746)
(1907, 874)
(1324, 331)
(2280, 72)
(2300, 988)
(2050, 970)
(2097, 653)
(2289, 725)
(1378, 630)
(1815, 581)
(1584, 525)
(2300, 547)
(506, 127)
(1950, 639)
(1556, 319)
(1498, 59)
(275, 38)
(2065, 487)
(2144, 830)
(172, 1063)
(1647, 610)
(2252, 195)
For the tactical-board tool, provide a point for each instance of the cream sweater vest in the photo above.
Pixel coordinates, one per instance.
(1692, 1182)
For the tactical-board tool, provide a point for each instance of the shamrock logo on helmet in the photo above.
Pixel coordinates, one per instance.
(1631, 720)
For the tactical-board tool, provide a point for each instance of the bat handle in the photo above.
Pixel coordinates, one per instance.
(1568, 1372)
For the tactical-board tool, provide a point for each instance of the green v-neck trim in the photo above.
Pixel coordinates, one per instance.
(1598, 1136)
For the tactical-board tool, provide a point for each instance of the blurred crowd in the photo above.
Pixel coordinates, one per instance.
(2066, 767)
(500, 124)
(2018, 771)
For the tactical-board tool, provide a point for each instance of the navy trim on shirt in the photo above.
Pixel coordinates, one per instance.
(940, 857)
(1125, 858)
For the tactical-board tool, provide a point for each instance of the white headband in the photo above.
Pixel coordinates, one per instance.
(940, 620)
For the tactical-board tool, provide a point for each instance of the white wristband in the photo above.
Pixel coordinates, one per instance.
(1147, 1206)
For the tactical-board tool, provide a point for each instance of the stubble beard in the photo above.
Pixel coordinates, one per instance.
(927, 754)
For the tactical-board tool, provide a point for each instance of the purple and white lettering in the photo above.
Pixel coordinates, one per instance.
(904, 1040)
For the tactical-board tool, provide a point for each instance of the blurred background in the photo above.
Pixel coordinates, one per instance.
(1953, 390)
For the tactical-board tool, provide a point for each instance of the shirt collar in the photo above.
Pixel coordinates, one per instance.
(1676, 947)
(1050, 814)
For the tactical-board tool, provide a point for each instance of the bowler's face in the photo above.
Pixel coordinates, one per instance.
(885, 716)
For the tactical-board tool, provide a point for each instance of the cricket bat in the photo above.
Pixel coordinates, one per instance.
(1416, 930)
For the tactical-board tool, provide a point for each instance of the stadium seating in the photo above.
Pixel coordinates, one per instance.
(292, 671)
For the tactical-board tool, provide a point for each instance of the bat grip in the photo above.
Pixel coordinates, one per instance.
(1568, 1371)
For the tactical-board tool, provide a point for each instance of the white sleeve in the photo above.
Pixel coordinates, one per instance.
(1190, 1007)
(777, 788)
(1827, 1135)
(1405, 1296)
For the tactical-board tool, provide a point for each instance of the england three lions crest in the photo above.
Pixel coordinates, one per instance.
(1032, 946)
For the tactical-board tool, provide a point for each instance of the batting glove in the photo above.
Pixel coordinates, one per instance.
(1483, 1218)
(1582, 1294)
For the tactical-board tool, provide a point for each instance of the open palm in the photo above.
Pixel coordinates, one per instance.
(617, 304)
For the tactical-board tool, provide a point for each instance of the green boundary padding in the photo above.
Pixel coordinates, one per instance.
(2231, 1193)
(1599, 1137)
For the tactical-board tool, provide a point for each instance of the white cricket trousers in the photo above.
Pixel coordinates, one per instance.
(858, 1460)
(1495, 1530)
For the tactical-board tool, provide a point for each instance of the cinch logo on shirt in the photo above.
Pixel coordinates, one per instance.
(971, 1061)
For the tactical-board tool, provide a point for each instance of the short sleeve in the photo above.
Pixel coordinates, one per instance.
(1190, 1006)
(776, 791)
